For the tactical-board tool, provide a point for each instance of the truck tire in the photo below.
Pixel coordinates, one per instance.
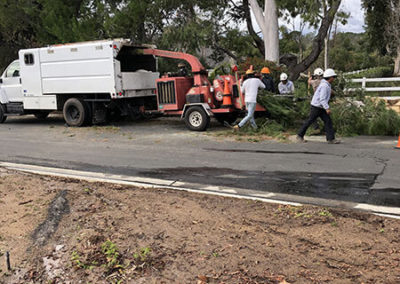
(42, 115)
(197, 119)
(89, 113)
(75, 112)
(3, 117)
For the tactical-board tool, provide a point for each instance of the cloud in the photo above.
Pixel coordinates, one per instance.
(356, 21)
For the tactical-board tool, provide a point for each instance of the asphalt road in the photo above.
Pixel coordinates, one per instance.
(362, 169)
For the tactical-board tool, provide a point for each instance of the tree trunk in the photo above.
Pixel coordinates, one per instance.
(259, 43)
(268, 23)
(326, 53)
(318, 42)
(396, 71)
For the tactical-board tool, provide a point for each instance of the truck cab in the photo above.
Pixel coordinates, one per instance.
(10, 84)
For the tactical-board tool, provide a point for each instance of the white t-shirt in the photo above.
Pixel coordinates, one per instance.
(250, 89)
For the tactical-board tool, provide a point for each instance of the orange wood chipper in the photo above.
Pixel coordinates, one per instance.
(194, 98)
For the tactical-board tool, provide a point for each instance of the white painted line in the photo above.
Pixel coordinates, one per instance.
(392, 212)
(232, 176)
(388, 216)
(379, 209)
(211, 187)
(125, 180)
(86, 174)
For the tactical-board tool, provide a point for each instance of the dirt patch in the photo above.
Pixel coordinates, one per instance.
(132, 235)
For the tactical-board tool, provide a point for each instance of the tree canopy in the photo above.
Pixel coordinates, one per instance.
(211, 29)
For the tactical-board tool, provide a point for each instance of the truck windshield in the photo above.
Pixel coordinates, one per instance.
(13, 69)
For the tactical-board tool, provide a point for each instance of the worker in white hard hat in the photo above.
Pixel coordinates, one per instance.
(250, 90)
(313, 82)
(316, 78)
(320, 108)
(285, 87)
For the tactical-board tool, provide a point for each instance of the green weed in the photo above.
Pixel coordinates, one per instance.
(325, 213)
(110, 250)
(78, 263)
(143, 254)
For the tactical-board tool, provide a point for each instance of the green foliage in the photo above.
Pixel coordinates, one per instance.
(78, 263)
(377, 12)
(270, 128)
(349, 51)
(110, 250)
(364, 117)
(143, 258)
(143, 254)
(377, 72)
(258, 63)
(358, 115)
(281, 109)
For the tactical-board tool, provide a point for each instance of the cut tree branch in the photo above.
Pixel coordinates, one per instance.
(318, 42)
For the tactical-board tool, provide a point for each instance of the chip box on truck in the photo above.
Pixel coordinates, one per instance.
(89, 82)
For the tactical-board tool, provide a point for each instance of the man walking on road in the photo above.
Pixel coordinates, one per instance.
(250, 89)
(314, 81)
(320, 108)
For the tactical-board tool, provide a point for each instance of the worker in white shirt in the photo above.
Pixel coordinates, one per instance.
(285, 87)
(250, 90)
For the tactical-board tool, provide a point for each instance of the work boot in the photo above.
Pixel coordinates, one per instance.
(334, 141)
(300, 139)
(236, 127)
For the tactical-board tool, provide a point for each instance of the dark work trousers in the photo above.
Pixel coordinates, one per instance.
(314, 114)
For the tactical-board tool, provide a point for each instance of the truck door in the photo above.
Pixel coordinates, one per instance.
(30, 72)
(32, 82)
(11, 85)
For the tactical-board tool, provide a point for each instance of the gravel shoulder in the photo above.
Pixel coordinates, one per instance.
(104, 233)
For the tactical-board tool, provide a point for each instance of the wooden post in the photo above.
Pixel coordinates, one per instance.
(364, 83)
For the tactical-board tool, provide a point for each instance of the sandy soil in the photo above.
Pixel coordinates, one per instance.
(100, 233)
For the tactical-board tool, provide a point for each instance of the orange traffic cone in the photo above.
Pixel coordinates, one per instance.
(398, 144)
(227, 101)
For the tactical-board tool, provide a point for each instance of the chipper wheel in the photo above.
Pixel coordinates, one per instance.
(197, 119)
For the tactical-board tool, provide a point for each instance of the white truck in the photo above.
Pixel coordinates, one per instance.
(88, 82)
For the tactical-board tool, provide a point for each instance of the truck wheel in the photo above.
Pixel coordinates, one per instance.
(42, 115)
(88, 113)
(228, 117)
(75, 112)
(196, 119)
(3, 117)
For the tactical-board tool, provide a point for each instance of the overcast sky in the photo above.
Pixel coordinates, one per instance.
(356, 21)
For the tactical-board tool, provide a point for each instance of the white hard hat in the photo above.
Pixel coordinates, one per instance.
(329, 73)
(318, 72)
(283, 77)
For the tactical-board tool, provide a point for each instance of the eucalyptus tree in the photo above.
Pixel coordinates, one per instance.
(383, 28)
(319, 14)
